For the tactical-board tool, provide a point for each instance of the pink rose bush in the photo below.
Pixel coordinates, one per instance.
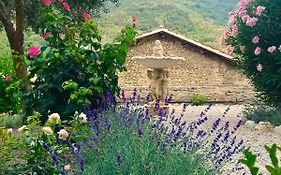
(34, 51)
(253, 38)
(86, 15)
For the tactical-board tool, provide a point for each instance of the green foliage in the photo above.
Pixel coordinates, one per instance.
(274, 169)
(33, 7)
(74, 68)
(267, 81)
(263, 113)
(11, 121)
(32, 148)
(200, 19)
(10, 98)
(198, 99)
(121, 150)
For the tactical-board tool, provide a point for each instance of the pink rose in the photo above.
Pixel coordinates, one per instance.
(258, 51)
(231, 22)
(256, 40)
(251, 22)
(259, 67)
(227, 34)
(61, 35)
(222, 40)
(230, 50)
(271, 49)
(86, 15)
(47, 2)
(234, 30)
(47, 35)
(66, 6)
(259, 10)
(242, 49)
(245, 18)
(8, 78)
(63, 134)
(134, 18)
(33, 51)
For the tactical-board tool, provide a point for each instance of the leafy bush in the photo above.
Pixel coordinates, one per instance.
(254, 38)
(263, 113)
(197, 99)
(74, 69)
(10, 121)
(35, 149)
(274, 169)
(9, 86)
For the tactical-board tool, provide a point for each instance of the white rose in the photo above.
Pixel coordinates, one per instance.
(83, 118)
(54, 118)
(21, 129)
(10, 130)
(67, 167)
(47, 130)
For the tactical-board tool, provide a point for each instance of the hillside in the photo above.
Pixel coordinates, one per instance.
(203, 20)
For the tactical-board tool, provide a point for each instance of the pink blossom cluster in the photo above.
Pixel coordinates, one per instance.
(256, 40)
(47, 2)
(86, 15)
(65, 4)
(34, 51)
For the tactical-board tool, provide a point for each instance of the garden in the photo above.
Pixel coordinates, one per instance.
(63, 112)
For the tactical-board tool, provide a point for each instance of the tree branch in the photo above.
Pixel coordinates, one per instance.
(20, 16)
(6, 20)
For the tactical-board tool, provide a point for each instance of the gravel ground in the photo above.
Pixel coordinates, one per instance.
(252, 137)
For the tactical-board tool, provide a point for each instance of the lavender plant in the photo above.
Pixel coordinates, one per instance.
(127, 139)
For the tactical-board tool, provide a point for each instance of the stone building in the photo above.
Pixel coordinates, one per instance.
(205, 71)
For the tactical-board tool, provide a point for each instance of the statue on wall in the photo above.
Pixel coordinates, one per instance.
(159, 83)
(158, 49)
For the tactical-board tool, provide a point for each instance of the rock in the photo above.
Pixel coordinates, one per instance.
(277, 130)
(250, 124)
(264, 127)
(243, 119)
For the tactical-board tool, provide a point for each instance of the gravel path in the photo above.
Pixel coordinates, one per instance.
(252, 137)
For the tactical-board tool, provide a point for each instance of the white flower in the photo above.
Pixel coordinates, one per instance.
(54, 118)
(83, 118)
(63, 134)
(21, 129)
(67, 167)
(47, 130)
(10, 130)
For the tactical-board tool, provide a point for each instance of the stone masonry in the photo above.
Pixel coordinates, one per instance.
(203, 72)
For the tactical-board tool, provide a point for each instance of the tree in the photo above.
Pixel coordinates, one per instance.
(254, 38)
(16, 15)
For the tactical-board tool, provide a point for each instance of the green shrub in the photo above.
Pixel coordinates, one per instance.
(198, 99)
(273, 169)
(10, 98)
(74, 69)
(35, 149)
(254, 38)
(263, 113)
(11, 121)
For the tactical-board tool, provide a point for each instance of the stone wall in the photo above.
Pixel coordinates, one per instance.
(203, 72)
